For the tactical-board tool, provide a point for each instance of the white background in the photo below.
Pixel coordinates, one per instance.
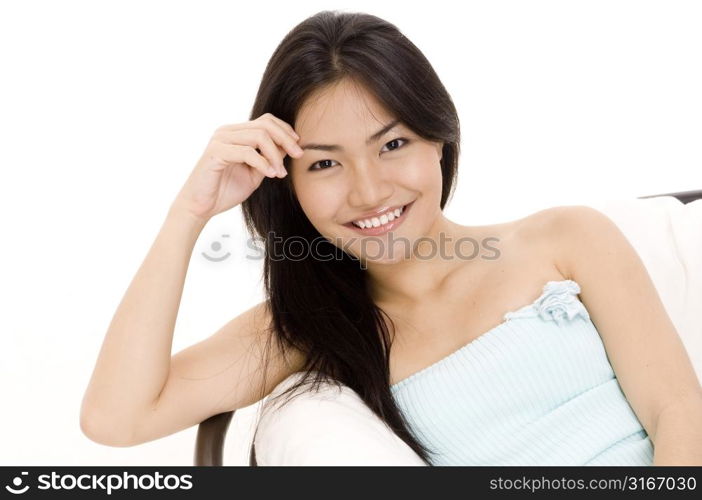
(106, 106)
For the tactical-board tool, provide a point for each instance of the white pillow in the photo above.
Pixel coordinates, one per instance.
(335, 427)
(328, 427)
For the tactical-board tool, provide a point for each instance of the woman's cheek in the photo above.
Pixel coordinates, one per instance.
(421, 175)
(318, 206)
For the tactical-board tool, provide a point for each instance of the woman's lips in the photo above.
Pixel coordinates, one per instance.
(383, 228)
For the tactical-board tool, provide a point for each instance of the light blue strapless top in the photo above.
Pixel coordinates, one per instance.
(538, 389)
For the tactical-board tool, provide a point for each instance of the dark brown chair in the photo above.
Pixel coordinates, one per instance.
(211, 433)
(683, 196)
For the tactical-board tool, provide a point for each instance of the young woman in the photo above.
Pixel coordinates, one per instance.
(470, 342)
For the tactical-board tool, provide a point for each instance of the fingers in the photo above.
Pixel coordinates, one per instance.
(261, 143)
(283, 134)
(267, 133)
(283, 124)
(241, 153)
(264, 143)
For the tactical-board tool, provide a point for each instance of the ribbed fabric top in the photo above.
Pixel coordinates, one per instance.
(538, 389)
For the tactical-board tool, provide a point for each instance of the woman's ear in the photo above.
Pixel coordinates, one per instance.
(440, 149)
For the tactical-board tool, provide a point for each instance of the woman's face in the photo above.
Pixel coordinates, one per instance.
(348, 172)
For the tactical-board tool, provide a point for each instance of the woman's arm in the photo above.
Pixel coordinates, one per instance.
(642, 344)
(678, 439)
(135, 360)
(133, 363)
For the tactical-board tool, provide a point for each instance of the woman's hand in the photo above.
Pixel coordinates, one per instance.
(234, 163)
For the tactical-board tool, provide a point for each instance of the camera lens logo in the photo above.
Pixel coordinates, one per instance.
(216, 246)
(17, 482)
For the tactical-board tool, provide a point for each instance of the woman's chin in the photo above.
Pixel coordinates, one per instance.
(371, 258)
(383, 261)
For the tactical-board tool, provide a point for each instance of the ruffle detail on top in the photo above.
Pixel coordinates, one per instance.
(558, 302)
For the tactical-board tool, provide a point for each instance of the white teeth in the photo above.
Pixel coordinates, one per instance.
(379, 221)
(362, 223)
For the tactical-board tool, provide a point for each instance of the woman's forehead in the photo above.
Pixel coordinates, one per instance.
(340, 106)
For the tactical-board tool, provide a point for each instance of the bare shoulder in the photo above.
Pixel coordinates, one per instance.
(260, 319)
(560, 231)
(538, 229)
(257, 323)
(549, 219)
(554, 232)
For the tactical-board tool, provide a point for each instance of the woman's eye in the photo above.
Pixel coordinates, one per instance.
(395, 140)
(314, 165)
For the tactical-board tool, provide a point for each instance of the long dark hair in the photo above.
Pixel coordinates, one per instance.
(324, 307)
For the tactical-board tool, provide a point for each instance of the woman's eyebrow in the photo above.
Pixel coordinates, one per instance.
(336, 147)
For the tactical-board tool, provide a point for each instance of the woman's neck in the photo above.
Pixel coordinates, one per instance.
(425, 271)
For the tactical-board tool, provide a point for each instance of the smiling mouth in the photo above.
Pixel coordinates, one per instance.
(377, 227)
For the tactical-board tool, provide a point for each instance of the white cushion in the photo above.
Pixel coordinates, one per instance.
(328, 427)
(333, 427)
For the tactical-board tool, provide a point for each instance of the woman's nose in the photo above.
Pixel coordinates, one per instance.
(369, 186)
